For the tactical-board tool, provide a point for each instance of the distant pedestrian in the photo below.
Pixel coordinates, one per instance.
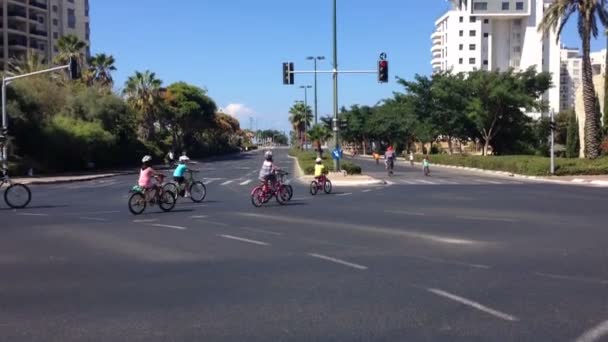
(412, 158)
(425, 166)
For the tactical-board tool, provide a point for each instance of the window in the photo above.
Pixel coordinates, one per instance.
(86, 8)
(472, 33)
(72, 1)
(55, 49)
(460, 47)
(517, 22)
(472, 47)
(472, 19)
(480, 6)
(460, 33)
(486, 21)
(517, 49)
(56, 35)
(485, 62)
(519, 5)
(505, 5)
(71, 18)
(459, 60)
(55, 9)
(461, 19)
(55, 22)
(471, 60)
(486, 35)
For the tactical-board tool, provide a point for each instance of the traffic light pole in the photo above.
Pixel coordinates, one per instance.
(552, 144)
(335, 76)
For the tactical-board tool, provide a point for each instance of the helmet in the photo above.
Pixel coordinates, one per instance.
(318, 160)
(184, 159)
(146, 159)
(268, 155)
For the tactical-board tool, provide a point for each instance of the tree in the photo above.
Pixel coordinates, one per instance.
(589, 12)
(142, 91)
(32, 62)
(318, 134)
(358, 128)
(70, 46)
(420, 100)
(497, 99)
(572, 138)
(300, 119)
(102, 66)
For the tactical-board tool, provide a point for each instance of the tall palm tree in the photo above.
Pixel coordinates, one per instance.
(300, 119)
(589, 12)
(70, 46)
(102, 65)
(31, 62)
(318, 134)
(143, 93)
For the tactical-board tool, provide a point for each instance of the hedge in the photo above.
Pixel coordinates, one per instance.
(525, 164)
(307, 162)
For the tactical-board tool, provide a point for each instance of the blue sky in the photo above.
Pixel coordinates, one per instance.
(234, 48)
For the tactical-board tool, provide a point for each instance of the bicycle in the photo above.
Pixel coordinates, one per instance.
(140, 198)
(320, 183)
(197, 189)
(390, 165)
(282, 180)
(16, 195)
(262, 193)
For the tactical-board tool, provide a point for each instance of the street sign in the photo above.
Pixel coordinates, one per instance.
(337, 154)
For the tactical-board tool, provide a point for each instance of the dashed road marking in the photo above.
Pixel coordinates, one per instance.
(168, 226)
(595, 333)
(338, 261)
(227, 182)
(31, 214)
(93, 219)
(236, 238)
(345, 194)
(246, 182)
(263, 231)
(145, 221)
(473, 305)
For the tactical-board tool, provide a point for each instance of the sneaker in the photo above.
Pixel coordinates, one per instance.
(187, 195)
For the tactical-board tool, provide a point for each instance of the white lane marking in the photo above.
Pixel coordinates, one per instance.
(199, 216)
(145, 221)
(227, 182)
(337, 261)
(427, 182)
(167, 226)
(407, 182)
(451, 262)
(409, 213)
(92, 219)
(368, 190)
(595, 333)
(255, 242)
(488, 181)
(221, 224)
(246, 182)
(474, 305)
(95, 212)
(31, 214)
(565, 277)
(346, 194)
(481, 218)
(263, 231)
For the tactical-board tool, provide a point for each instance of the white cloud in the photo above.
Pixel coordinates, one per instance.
(238, 110)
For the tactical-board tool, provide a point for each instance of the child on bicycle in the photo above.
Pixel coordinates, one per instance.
(319, 169)
(267, 171)
(146, 173)
(178, 174)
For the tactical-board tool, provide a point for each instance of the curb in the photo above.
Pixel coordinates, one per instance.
(300, 177)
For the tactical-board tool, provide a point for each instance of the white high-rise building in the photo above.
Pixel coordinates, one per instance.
(497, 35)
(598, 62)
(571, 76)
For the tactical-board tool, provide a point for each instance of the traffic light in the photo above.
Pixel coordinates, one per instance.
(288, 73)
(343, 124)
(74, 69)
(553, 126)
(383, 71)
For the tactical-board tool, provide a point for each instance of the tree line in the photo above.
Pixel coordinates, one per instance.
(57, 124)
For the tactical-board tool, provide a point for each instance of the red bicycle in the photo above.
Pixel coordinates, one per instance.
(320, 183)
(262, 193)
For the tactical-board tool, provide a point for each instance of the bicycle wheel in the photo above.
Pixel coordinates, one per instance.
(257, 197)
(17, 196)
(314, 187)
(282, 195)
(198, 192)
(137, 203)
(327, 187)
(166, 202)
(290, 190)
(172, 187)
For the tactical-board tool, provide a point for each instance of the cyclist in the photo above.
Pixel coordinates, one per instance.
(319, 169)
(178, 174)
(389, 156)
(146, 173)
(267, 171)
(425, 165)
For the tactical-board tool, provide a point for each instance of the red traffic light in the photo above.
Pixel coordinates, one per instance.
(383, 64)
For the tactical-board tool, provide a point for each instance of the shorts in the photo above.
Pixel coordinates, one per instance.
(179, 180)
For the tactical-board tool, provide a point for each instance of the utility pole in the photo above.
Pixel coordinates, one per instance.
(553, 127)
(315, 59)
(335, 75)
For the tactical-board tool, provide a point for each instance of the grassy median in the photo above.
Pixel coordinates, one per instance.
(525, 165)
(306, 159)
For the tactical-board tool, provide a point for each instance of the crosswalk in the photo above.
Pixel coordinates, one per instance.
(458, 181)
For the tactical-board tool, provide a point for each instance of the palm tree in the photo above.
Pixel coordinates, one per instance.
(70, 46)
(319, 133)
(301, 117)
(32, 62)
(589, 12)
(102, 65)
(143, 93)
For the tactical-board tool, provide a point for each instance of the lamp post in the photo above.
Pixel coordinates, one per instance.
(315, 59)
(305, 87)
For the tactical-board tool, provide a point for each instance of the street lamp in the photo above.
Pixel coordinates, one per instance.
(305, 87)
(315, 59)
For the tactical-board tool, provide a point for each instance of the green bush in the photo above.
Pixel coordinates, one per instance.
(526, 165)
(307, 162)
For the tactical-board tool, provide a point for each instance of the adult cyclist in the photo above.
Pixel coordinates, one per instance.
(389, 157)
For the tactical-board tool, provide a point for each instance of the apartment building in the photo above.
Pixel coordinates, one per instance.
(598, 62)
(571, 76)
(36, 25)
(496, 35)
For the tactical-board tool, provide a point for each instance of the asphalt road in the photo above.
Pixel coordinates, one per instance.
(452, 257)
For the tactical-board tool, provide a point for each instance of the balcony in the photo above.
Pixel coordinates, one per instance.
(38, 32)
(16, 13)
(436, 49)
(436, 36)
(17, 42)
(38, 4)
